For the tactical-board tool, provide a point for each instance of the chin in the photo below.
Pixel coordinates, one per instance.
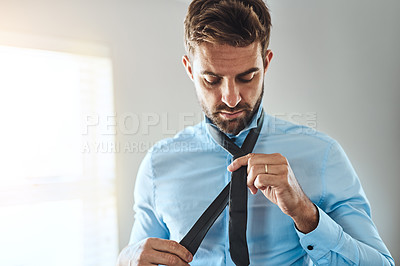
(231, 126)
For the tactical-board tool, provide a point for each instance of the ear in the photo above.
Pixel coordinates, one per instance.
(188, 66)
(268, 58)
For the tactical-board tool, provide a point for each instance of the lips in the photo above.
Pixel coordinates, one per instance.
(229, 115)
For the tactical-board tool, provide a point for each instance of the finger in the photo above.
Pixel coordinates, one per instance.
(172, 247)
(157, 257)
(253, 159)
(239, 162)
(262, 181)
(274, 169)
(252, 188)
(256, 170)
(270, 159)
(252, 175)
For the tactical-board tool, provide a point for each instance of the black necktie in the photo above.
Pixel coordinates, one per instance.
(236, 193)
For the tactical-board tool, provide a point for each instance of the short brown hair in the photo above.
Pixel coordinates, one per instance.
(235, 22)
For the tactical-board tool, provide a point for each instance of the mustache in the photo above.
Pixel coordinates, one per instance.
(237, 108)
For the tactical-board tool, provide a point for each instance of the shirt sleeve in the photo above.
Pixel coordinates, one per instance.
(147, 222)
(345, 234)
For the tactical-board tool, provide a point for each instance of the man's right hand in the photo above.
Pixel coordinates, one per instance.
(154, 251)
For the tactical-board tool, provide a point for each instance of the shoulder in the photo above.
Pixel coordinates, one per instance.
(298, 142)
(183, 140)
(164, 151)
(189, 144)
(280, 128)
(183, 153)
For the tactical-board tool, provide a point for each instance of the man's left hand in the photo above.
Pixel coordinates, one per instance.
(280, 186)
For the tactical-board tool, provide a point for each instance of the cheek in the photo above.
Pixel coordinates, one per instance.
(251, 92)
(207, 95)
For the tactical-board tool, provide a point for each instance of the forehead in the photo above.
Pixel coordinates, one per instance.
(225, 59)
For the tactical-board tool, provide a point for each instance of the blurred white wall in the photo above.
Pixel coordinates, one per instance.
(337, 59)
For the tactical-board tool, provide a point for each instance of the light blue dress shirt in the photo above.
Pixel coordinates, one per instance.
(181, 176)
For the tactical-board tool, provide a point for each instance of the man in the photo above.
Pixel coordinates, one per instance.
(306, 204)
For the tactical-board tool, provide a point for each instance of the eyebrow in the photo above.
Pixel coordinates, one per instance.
(251, 70)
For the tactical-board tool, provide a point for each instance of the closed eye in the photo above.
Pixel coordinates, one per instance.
(212, 80)
(247, 78)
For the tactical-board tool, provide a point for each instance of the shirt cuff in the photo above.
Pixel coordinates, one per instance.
(323, 239)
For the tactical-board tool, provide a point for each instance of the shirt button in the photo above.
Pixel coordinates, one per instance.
(309, 247)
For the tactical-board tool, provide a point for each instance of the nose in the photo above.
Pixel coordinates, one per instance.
(230, 94)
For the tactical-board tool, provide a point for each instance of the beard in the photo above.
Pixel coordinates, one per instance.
(235, 125)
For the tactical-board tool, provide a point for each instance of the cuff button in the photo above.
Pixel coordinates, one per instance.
(309, 247)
